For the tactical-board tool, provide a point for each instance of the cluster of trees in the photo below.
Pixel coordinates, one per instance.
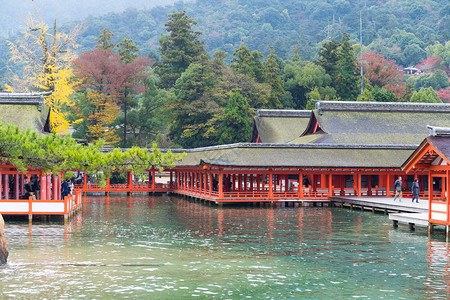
(186, 97)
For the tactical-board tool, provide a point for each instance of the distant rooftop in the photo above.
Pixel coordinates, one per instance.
(322, 106)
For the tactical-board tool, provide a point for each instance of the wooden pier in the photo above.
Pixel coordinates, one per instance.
(406, 211)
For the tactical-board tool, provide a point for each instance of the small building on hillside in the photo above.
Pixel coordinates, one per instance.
(412, 71)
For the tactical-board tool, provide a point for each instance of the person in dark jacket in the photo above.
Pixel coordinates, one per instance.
(415, 188)
(64, 189)
(398, 189)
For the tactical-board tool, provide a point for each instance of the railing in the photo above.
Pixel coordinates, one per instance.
(32, 206)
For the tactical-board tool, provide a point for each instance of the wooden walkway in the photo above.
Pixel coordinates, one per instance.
(405, 211)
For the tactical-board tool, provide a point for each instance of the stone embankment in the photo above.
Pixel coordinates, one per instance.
(3, 248)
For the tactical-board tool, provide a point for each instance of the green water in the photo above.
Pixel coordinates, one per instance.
(169, 248)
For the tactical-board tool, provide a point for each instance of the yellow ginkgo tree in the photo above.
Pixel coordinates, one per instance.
(44, 58)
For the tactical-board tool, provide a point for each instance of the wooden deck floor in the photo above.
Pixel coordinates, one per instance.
(383, 203)
(405, 211)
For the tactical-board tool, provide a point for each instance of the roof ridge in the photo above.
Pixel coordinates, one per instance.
(21, 98)
(381, 106)
(283, 113)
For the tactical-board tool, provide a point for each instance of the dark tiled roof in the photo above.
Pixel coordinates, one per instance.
(280, 126)
(298, 155)
(377, 123)
(441, 144)
(26, 111)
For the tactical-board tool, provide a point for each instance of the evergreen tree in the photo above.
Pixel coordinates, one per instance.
(178, 49)
(193, 108)
(104, 39)
(339, 61)
(425, 95)
(346, 82)
(236, 126)
(248, 63)
(274, 79)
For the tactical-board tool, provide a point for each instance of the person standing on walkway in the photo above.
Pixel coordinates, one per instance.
(64, 189)
(398, 189)
(415, 190)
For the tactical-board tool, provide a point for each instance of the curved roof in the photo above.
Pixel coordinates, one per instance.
(298, 155)
(279, 126)
(377, 122)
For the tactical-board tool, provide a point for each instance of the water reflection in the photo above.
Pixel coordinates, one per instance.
(168, 247)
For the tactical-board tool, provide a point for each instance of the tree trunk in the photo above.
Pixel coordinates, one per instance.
(125, 127)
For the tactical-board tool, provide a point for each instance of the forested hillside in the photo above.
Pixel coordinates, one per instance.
(400, 29)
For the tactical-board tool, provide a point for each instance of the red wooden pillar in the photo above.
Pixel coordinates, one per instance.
(270, 185)
(49, 187)
(58, 186)
(153, 178)
(129, 180)
(210, 183)
(430, 193)
(300, 185)
(359, 184)
(355, 184)
(330, 185)
(6, 186)
(448, 195)
(220, 185)
(22, 184)
(84, 180)
(16, 186)
(314, 183)
(323, 180)
(388, 185)
(171, 179)
(43, 187)
(369, 185)
(108, 183)
(54, 189)
(150, 179)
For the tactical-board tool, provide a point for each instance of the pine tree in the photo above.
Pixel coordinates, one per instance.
(236, 126)
(193, 110)
(339, 61)
(178, 49)
(274, 79)
(248, 63)
(346, 82)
